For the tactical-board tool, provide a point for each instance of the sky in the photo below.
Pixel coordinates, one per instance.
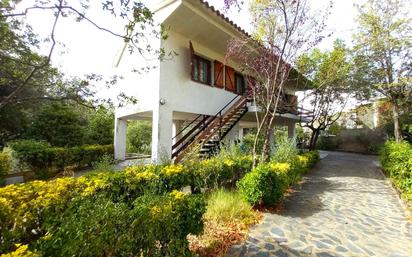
(89, 50)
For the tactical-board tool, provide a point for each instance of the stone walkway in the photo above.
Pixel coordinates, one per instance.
(345, 207)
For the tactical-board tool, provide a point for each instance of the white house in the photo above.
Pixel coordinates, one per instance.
(193, 91)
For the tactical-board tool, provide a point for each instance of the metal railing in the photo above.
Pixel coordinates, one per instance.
(198, 128)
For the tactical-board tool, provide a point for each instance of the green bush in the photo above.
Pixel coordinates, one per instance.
(5, 166)
(34, 153)
(215, 172)
(139, 137)
(285, 150)
(396, 160)
(266, 183)
(60, 210)
(104, 164)
(329, 143)
(263, 185)
(60, 125)
(149, 226)
(100, 129)
(40, 156)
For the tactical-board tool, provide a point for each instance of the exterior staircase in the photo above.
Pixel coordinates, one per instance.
(204, 134)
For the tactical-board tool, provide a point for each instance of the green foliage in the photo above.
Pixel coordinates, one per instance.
(139, 137)
(217, 172)
(21, 251)
(151, 225)
(330, 72)
(128, 219)
(263, 185)
(40, 156)
(60, 125)
(266, 183)
(228, 207)
(396, 160)
(327, 143)
(104, 164)
(100, 129)
(5, 165)
(224, 169)
(285, 150)
(335, 129)
(34, 153)
(48, 211)
(382, 46)
(248, 141)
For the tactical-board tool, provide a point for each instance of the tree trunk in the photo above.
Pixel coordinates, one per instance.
(313, 139)
(266, 145)
(397, 128)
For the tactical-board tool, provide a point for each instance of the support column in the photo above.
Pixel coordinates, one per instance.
(120, 132)
(162, 134)
(292, 130)
(241, 135)
(177, 127)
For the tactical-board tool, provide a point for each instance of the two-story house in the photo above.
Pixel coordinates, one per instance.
(194, 99)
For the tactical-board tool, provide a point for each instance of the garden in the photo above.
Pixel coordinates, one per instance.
(396, 161)
(197, 207)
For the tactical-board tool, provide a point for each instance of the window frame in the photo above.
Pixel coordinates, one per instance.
(240, 75)
(198, 60)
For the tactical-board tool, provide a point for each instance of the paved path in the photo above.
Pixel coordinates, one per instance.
(344, 208)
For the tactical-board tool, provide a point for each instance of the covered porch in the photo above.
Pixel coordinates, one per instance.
(168, 130)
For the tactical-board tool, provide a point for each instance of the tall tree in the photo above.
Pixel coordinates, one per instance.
(331, 84)
(383, 53)
(135, 15)
(282, 29)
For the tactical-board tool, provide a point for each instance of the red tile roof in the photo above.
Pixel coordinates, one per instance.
(221, 15)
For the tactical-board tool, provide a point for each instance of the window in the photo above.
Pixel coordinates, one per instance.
(240, 84)
(201, 70)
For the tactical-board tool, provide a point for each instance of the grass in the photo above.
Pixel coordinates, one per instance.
(228, 206)
(227, 219)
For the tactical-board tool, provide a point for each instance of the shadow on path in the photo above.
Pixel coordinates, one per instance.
(344, 207)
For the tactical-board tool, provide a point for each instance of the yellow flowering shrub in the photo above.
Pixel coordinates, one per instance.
(24, 207)
(21, 251)
(171, 170)
(280, 167)
(177, 194)
(267, 182)
(304, 160)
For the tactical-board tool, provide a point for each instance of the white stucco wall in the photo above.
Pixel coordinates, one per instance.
(181, 93)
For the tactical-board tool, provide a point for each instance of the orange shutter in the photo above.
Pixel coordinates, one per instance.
(218, 74)
(230, 79)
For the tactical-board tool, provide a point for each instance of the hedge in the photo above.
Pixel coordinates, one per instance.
(40, 156)
(396, 160)
(33, 211)
(267, 182)
(199, 175)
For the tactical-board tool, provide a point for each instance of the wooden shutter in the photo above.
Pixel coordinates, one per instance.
(218, 74)
(192, 57)
(230, 79)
